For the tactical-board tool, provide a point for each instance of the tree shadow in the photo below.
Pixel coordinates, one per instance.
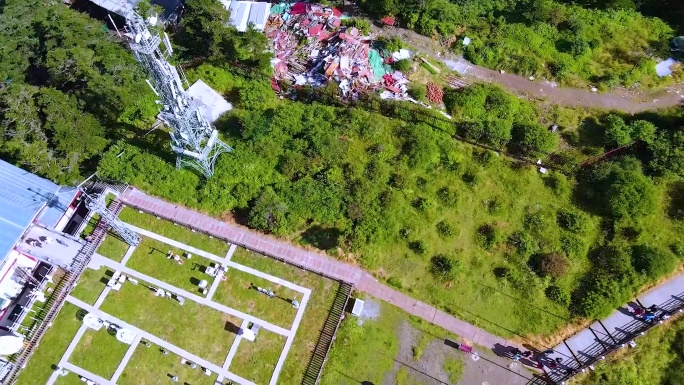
(322, 237)
(675, 208)
(590, 133)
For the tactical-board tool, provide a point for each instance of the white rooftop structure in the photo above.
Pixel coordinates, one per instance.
(211, 103)
(242, 13)
(358, 307)
(117, 6)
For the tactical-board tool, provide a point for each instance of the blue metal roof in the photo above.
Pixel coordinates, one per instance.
(25, 196)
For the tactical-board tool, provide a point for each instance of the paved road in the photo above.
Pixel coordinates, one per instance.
(312, 261)
(631, 102)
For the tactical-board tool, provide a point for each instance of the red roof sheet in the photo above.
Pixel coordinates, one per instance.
(298, 8)
(314, 31)
(389, 20)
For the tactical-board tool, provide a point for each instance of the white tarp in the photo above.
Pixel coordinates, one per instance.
(663, 68)
(460, 66)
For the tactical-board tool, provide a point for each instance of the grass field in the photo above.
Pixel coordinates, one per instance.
(99, 353)
(150, 258)
(149, 366)
(51, 347)
(112, 247)
(322, 294)
(198, 329)
(238, 291)
(90, 284)
(177, 233)
(256, 360)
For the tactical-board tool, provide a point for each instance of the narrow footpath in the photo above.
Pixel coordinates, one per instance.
(308, 260)
(621, 99)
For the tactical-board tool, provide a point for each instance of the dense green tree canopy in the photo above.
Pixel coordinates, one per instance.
(67, 86)
(207, 34)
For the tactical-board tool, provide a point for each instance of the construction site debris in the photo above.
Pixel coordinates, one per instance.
(311, 47)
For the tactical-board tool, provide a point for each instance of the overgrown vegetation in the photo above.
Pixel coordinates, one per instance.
(386, 184)
(609, 45)
(427, 211)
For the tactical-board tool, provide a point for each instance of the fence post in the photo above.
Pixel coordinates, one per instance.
(598, 339)
(573, 353)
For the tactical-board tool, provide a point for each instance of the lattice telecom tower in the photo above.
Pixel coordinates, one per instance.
(98, 205)
(194, 140)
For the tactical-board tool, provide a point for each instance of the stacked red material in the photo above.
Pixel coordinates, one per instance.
(434, 93)
(388, 20)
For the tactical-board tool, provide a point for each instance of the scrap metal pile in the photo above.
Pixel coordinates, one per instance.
(311, 47)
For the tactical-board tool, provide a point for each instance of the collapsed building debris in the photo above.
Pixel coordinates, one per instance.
(312, 47)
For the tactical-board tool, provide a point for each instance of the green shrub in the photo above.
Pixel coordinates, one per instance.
(494, 207)
(269, 213)
(571, 220)
(533, 139)
(619, 189)
(558, 294)
(523, 242)
(418, 92)
(487, 236)
(363, 25)
(447, 196)
(678, 249)
(571, 244)
(443, 267)
(403, 65)
(418, 247)
(470, 178)
(392, 44)
(553, 265)
(599, 294)
(421, 204)
(610, 283)
(398, 180)
(395, 282)
(502, 272)
(558, 183)
(445, 229)
(652, 262)
(538, 222)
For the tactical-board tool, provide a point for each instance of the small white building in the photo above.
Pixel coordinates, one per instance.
(243, 13)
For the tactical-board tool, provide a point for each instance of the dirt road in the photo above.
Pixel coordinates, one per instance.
(628, 101)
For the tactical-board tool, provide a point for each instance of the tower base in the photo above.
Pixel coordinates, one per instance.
(204, 163)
